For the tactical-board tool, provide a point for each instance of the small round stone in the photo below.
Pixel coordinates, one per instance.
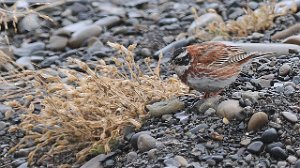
(146, 142)
(170, 162)
(278, 153)
(290, 116)
(256, 147)
(131, 157)
(257, 121)
(181, 160)
(269, 135)
(274, 144)
(291, 159)
(284, 69)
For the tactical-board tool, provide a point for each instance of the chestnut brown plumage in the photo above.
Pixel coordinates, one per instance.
(211, 66)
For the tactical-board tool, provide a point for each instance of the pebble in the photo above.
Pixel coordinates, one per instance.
(171, 162)
(282, 164)
(131, 157)
(204, 20)
(134, 138)
(284, 69)
(255, 147)
(3, 125)
(146, 142)
(77, 8)
(245, 141)
(79, 37)
(269, 135)
(165, 107)
(108, 21)
(25, 62)
(199, 128)
(297, 164)
(278, 153)
(291, 159)
(152, 154)
(181, 160)
(257, 121)
(49, 61)
(67, 30)
(291, 117)
(229, 109)
(57, 43)
(28, 49)
(29, 23)
(274, 144)
(24, 165)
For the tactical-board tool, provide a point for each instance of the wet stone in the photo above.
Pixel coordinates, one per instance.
(255, 147)
(269, 135)
(278, 153)
(290, 116)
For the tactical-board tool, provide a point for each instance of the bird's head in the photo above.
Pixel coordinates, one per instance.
(181, 60)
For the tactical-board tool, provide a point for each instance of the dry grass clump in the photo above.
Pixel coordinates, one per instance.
(86, 112)
(253, 21)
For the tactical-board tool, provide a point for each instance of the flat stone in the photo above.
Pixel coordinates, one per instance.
(255, 147)
(290, 116)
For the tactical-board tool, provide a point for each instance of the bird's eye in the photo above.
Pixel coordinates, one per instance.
(178, 60)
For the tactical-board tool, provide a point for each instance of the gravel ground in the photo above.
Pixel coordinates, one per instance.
(264, 100)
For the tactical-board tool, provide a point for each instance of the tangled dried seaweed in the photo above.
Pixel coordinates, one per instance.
(86, 112)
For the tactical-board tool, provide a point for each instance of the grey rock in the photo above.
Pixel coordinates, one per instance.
(73, 27)
(3, 125)
(4, 108)
(108, 21)
(167, 21)
(25, 62)
(236, 13)
(255, 147)
(290, 116)
(165, 107)
(36, 59)
(110, 8)
(134, 138)
(253, 5)
(152, 154)
(171, 162)
(79, 37)
(278, 153)
(48, 61)
(24, 165)
(57, 43)
(199, 128)
(279, 87)
(291, 159)
(131, 157)
(28, 49)
(245, 141)
(296, 79)
(274, 144)
(23, 152)
(181, 160)
(30, 22)
(204, 20)
(284, 69)
(146, 142)
(289, 90)
(269, 135)
(282, 164)
(77, 8)
(19, 161)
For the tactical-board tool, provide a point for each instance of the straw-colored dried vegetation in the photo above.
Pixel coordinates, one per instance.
(252, 21)
(86, 112)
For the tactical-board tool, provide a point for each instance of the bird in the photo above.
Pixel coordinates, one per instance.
(210, 67)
